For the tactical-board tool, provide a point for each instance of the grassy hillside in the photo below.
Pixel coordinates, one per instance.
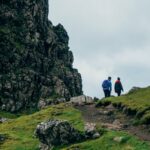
(20, 132)
(106, 142)
(136, 103)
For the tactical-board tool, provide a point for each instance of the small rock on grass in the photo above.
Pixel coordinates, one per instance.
(90, 131)
(120, 139)
(2, 120)
(2, 138)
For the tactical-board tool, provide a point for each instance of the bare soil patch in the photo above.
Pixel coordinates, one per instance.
(111, 118)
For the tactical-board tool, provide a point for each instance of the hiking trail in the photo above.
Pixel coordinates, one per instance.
(111, 118)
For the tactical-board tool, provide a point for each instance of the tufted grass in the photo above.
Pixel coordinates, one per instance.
(106, 142)
(136, 104)
(20, 132)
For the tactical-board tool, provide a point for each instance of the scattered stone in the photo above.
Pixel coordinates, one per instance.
(2, 120)
(2, 138)
(89, 127)
(111, 126)
(110, 107)
(117, 122)
(60, 100)
(56, 133)
(43, 103)
(105, 112)
(120, 139)
(44, 147)
(82, 100)
(90, 131)
(96, 135)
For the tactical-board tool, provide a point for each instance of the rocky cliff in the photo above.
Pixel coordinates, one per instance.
(35, 60)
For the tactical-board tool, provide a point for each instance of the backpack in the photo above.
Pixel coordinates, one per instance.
(106, 84)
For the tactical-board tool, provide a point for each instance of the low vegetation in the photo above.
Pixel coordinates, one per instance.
(136, 103)
(106, 142)
(20, 132)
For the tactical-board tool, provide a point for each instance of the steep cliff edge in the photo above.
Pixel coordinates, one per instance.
(35, 60)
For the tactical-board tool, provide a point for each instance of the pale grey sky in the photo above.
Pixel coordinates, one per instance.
(108, 38)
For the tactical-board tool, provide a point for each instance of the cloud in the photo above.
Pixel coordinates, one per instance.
(107, 38)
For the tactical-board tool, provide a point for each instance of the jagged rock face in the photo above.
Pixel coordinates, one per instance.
(35, 60)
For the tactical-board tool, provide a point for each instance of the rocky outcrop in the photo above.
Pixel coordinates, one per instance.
(43, 103)
(56, 133)
(36, 62)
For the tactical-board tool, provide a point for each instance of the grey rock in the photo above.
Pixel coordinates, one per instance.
(80, 100)
(2, 138)
(42, 104)
(2, 120)
(47, 102)
(36, 62)
(120, 139)
(96, 135)
(56, 133)
(91, 131)
(44, 147)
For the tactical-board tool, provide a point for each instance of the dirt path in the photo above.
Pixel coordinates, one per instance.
(111, 118)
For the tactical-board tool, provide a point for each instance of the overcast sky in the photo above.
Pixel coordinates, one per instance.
(108, 38)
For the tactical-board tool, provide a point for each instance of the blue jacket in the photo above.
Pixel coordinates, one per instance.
(107, 85)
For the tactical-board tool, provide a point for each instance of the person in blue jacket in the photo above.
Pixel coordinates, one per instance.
(107, 87)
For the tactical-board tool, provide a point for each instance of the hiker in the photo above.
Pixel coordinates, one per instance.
(118, 86)
(107, 87)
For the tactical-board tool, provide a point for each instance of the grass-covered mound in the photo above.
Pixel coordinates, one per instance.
(106, 142)
(20, 132)
(136, 103)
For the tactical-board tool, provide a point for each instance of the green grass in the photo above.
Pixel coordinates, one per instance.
(7, 115)
(20, 132)
(136, 103)
(106, 142)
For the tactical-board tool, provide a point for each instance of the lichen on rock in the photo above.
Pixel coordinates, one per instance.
(56, 133)
(36, 62)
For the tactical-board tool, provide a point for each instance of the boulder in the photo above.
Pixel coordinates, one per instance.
(120, 139)
(91, 131)
(57, 133)
(82, 100)
(2, 120)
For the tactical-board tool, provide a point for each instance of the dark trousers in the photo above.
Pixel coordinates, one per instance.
(107, 93)
(119, 93)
